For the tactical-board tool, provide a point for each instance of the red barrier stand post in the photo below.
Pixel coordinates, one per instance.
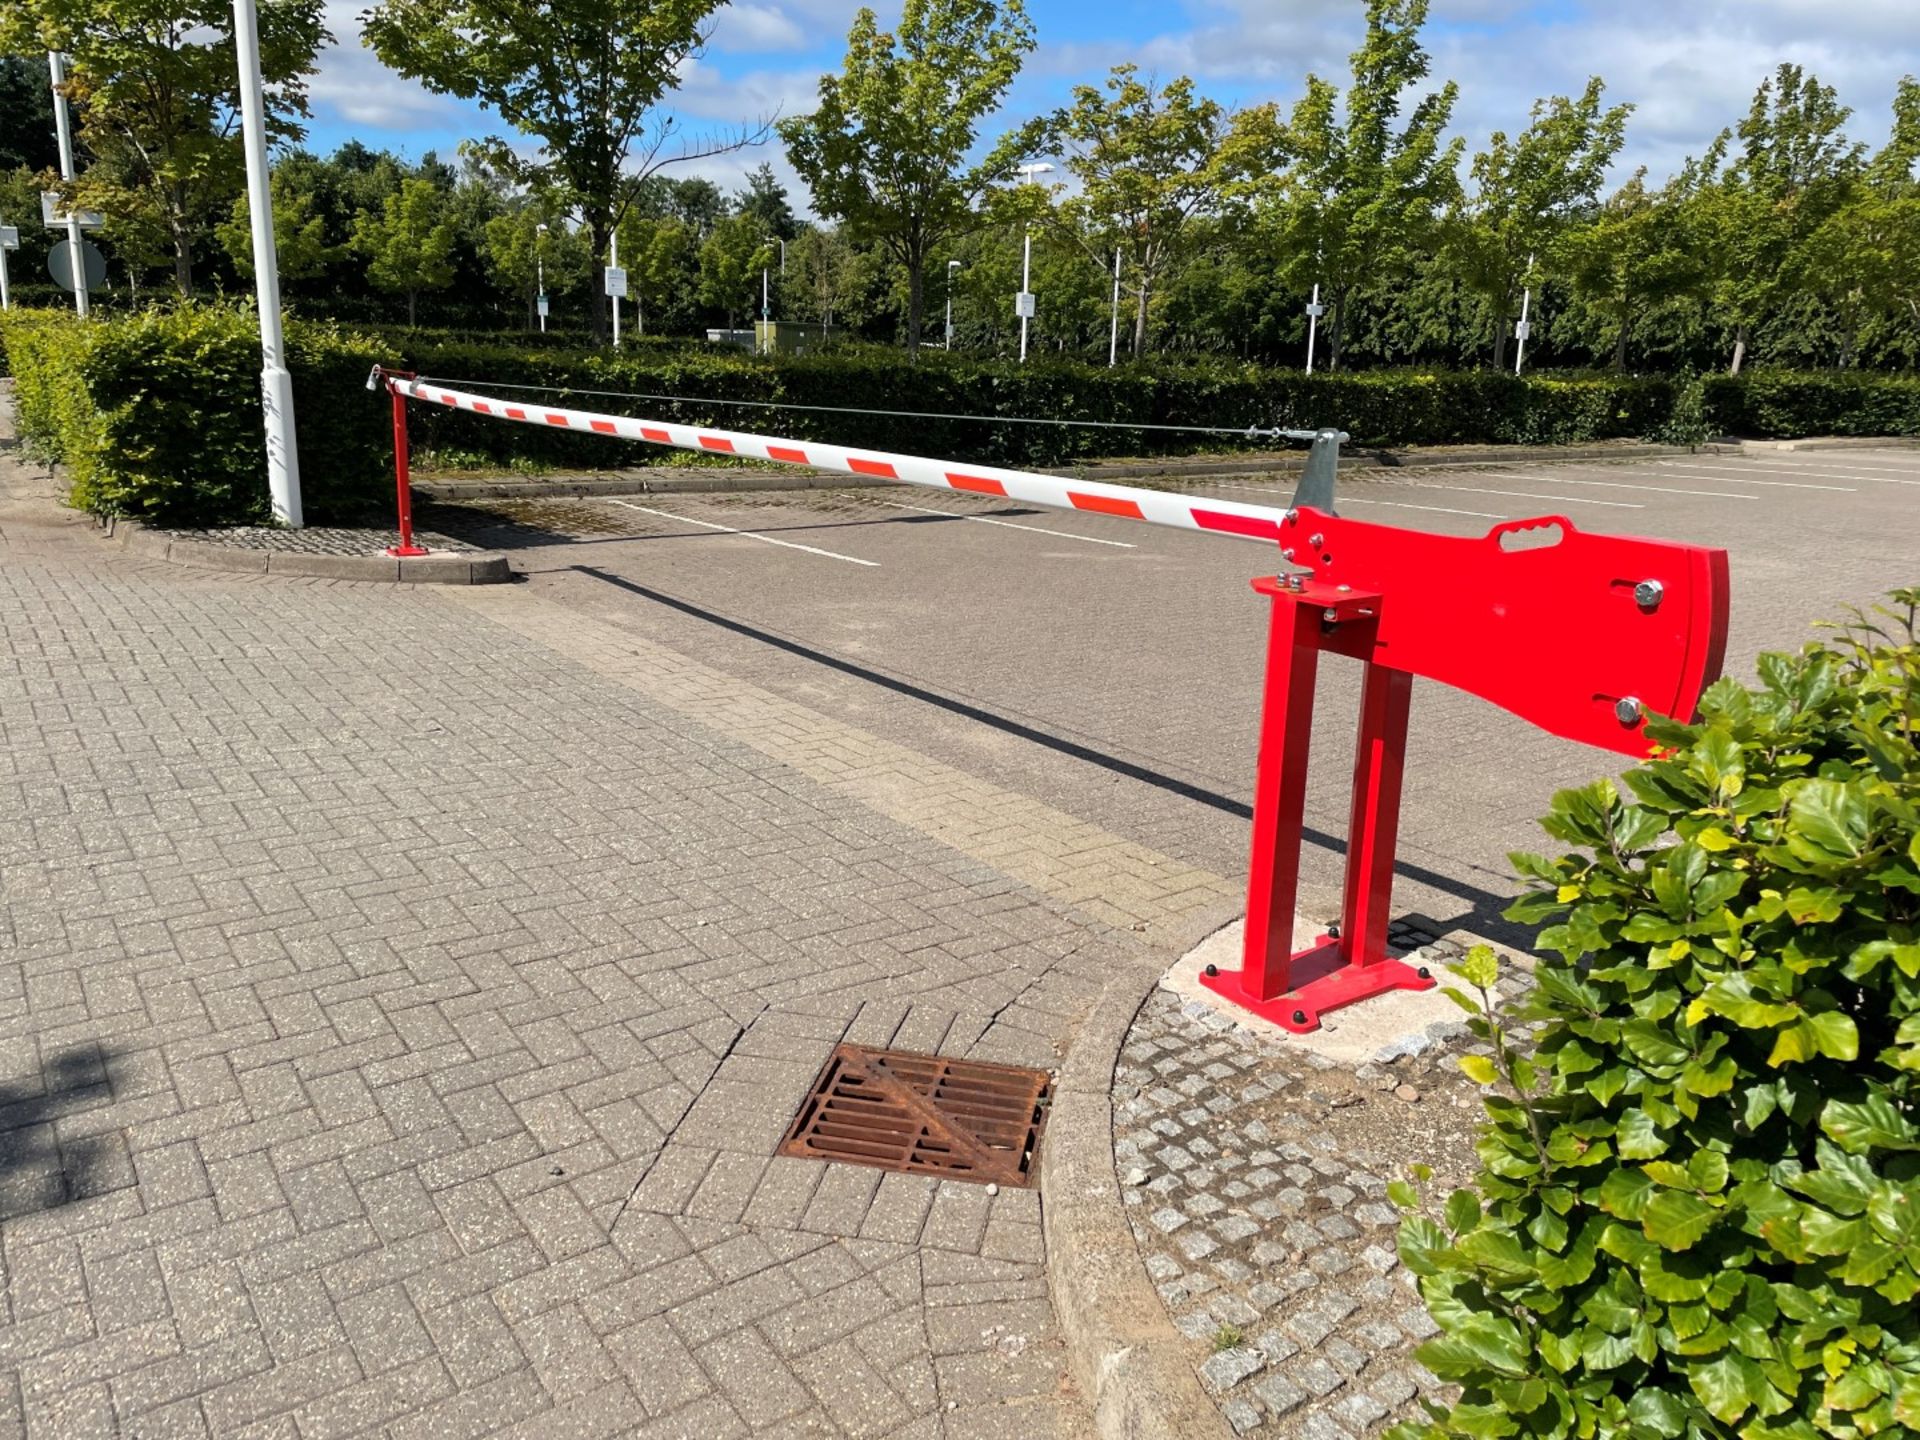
(1350, 962)
(402, 480)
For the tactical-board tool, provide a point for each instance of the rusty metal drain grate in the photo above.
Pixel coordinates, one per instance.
(924, 1115)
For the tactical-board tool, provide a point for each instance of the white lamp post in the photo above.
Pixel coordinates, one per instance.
(1113, 337)
(1023, 302)
(63, 129)
(540, 273)
(276, 384)
(952, 265)
(1314, 311)
(1525, 327)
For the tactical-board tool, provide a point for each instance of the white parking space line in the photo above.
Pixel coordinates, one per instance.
(1514, 494)
(1344, 498)
(1792, 457)
(1780, 467)
(1623, 485)
(1750, 480)
(749, 534)
(1007, 524)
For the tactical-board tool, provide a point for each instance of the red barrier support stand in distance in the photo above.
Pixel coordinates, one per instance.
(1352, 963)
(402, 479)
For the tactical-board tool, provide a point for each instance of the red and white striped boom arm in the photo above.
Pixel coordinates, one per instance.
(1157, 507)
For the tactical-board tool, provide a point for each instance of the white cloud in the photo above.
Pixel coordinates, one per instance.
(747, 29)
(352, 84)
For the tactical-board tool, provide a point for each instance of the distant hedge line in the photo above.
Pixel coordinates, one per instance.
(156, 415)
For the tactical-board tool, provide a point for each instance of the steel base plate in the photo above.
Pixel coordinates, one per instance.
(1321, 982)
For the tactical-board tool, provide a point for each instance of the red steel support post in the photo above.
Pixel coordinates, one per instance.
(1292, 988)
(403, 482)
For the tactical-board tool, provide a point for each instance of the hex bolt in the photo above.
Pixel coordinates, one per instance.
(1316, 541)
(1424, 973)
(1299, 1017)
(1292, 515)
(1330, 615)
(1212, 970)
(1648, 594)
(1334, 930)
(1626, 710)
(1286, 552)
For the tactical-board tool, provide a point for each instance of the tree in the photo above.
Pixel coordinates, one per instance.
(664, 268)
(299, 235)
(886, 151)
(826, 274)
(407, 245)
(732, 258)
(1794, 170)
(527, 243)
(1526, 193)
(764, 200)
(155, 87)
(1149, 165)
(1638, 251)
(1358, 195)
(584, 76)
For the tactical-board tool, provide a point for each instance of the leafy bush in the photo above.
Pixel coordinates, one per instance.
(1785, 403)
(1699, 1202)
(157, 414)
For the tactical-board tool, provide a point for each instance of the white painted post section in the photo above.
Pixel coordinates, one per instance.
(276, 383)
(1314, 311)
(1026, 289)
(1525, 327)
(1113, 336)
(614, 260)
(63, 128)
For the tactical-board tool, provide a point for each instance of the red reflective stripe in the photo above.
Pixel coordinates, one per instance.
(872, 467)
(1247, 525)
(979, 484)
(605, 427)
(513, 414)
(648, 432)
(448, 400)
(480, 408)
(786, 452)
(714, 442)
(553, 419)
(1105, 506)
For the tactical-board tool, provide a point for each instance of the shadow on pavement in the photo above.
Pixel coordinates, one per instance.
(40, 1171)
(1483, 914)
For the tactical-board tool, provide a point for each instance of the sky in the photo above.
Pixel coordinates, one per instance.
(1688, 66)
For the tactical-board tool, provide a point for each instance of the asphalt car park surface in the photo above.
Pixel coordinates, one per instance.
(1113, 669)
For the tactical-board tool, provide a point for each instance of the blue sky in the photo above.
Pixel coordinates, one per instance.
(1689, 66)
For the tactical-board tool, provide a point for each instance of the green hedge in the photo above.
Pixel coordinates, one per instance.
(156, 414)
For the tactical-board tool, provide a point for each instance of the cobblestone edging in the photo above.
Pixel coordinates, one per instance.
(1254, 1175)
(318, 552)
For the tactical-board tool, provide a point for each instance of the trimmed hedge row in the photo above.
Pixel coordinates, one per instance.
(156, 414)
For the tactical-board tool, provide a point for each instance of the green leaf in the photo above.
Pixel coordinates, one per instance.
(1422, 1245)
(1463, 1211)
(1637, 1137)
(1653, 1046)
(1676, 1220)
(1479, 1069)
(1403, 1195)
(1872, 1124)
(1661, 1413)
(1835, 1036)
(1625, 1193)
(1829, 821)
(1721, 1387)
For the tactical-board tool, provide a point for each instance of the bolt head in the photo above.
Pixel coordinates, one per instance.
(1286, 552)
(1648, 594)
(1330, 615)
(1213, 970)
(1292, 515)
(1627, 710)
(1316, 541)
(1299, 1017)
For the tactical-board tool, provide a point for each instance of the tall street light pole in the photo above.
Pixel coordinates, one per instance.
(952, 265)
(63, 129)
(1113, 335)
(540, 272)
(1023, 304)
(1525, 327)
(276, 384)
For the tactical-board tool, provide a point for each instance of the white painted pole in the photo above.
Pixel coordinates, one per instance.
(6, 296)
(63, 128)
(1113, 336)
(276, 383)
(1313, 324)
(1026, 276)
(614, 260)
(1525, 327)
(540, 273)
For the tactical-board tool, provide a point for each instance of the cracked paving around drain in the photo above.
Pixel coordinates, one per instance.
(1255, 1178)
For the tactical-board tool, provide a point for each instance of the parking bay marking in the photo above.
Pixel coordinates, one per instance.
(1515, 494)
(1009, 524)
(1356, 500)
(1749, 480)
(1781, 468)
(750, 535)
(1623, 485)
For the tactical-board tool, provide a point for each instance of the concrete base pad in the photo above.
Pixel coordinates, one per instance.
(1379, 1028)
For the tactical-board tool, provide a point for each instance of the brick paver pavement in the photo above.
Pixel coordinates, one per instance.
(401, 995)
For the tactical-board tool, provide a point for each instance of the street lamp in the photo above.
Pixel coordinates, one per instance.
(276, 382)
(952, 265)
(1525, 327)
(1023, 302)
(540, 272)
